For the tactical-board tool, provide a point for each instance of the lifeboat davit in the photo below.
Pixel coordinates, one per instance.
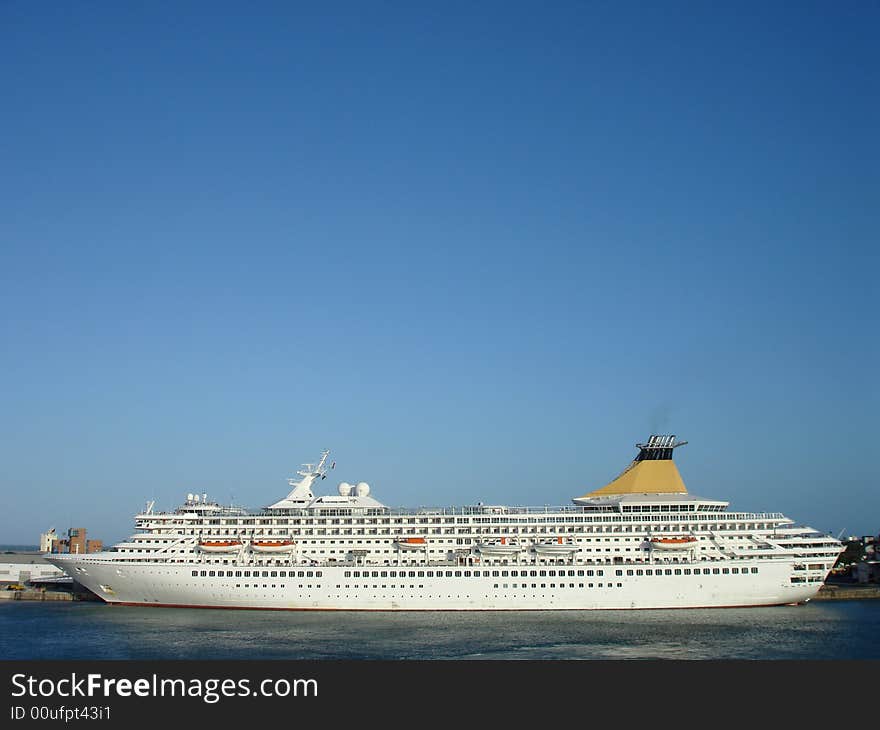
(410, 543)
(273, 546)
(673, 543)
(559, 546)
(219, 546)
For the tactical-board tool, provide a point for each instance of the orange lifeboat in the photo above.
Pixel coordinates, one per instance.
(219, 546)
(410, 543)
(273, 546)
(673, 543)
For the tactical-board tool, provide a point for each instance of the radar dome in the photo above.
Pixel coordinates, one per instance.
(189, 497)
(345, 489)
(363, 489)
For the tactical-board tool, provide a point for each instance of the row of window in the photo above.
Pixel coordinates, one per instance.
(257, 573)
(687, 571)
(464, 573)
(561, 585)
(656, 512)
(469, 573)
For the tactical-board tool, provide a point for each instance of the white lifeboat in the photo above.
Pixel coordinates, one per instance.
(501, 546)
(559, 546)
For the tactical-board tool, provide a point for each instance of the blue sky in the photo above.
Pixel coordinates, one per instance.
(476, 249)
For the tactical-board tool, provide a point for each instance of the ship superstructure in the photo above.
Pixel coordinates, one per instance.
(642, 541)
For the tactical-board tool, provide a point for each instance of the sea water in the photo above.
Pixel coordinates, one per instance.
(86, 630)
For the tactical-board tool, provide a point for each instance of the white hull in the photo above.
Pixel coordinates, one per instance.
(175, 585)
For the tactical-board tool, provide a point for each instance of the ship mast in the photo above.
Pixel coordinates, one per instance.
(301, 491)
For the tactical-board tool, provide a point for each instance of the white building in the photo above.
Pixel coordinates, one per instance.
(25, 567)
(47, 539)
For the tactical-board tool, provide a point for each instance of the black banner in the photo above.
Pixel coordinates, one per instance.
(224, 693)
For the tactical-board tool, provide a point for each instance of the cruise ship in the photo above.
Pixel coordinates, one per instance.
(640, 542)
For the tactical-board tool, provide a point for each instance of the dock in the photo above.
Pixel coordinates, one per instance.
(848, 591)
(38, 595)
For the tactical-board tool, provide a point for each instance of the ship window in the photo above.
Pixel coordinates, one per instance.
(543, 572)
(618, 572)
(412, 574)
(754, 570)
(687, 571)
(302, 573)
(204, 573)
(725, 570)
(678, 571)
(600, 572)
(238, 574)
(706, 571)
(309, 574)
(735, 570)
(430, 573)
(649, 572)
(448, 573)
(211, 574)
(421, 574)
(715, 571)
(668, 571)
(195, 572)
(581, 573)
(384, 574)
(458, 574)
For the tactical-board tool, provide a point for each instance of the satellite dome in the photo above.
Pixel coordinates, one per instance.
(363, 489)
(344, 489)
(189, 497)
